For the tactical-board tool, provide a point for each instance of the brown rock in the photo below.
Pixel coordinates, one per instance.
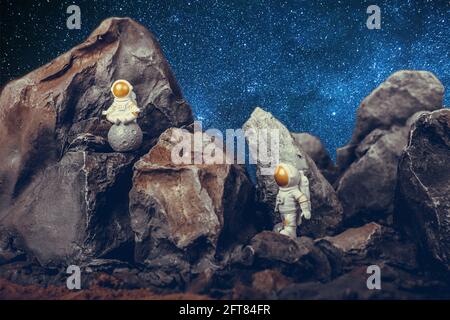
(368, 245)
(192, 211)
(356, 243)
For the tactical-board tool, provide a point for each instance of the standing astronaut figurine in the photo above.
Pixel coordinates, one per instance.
(292, 195)
(125, 134)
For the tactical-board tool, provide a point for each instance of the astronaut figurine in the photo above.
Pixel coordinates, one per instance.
(292, 196)
(124, 108)
(125, 134)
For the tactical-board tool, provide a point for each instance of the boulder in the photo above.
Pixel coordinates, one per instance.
(326, 208)
(295, 258)
(368, 164)
(392, 103)
(74, 210)
(189, 211)
(367, 187)
(316, 150)
(42, 112)
(368, 245)
(422, 204)
(356, 244)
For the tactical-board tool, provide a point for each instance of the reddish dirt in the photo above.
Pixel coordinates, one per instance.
(12, 291)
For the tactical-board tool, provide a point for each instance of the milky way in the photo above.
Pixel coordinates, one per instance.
(310, 63)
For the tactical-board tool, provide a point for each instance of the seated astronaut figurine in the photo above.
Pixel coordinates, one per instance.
(125, 134)
(124, 108)
(292, 196)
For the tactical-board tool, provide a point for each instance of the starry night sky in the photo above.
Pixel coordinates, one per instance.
(308, 62)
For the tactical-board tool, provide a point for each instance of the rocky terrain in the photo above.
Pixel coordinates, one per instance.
(142, 227)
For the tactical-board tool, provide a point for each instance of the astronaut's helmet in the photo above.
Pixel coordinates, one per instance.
(121, 89)
(286, 175)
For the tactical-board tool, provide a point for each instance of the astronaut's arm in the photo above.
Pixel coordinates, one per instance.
(109, 110)
(134, 109)
(277, 203)
(304, 205)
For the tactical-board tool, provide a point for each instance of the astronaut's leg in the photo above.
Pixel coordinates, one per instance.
(289, 224)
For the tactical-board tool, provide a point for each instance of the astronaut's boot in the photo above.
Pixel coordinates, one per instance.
(290, 225)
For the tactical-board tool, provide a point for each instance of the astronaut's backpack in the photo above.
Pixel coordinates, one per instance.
(304, 187)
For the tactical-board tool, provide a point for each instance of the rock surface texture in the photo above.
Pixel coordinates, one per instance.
(188, 211)
(423, 190)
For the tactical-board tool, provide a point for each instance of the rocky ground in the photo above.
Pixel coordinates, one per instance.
(141, 227)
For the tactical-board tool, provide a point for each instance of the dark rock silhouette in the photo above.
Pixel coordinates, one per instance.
(392, 103)
(369, 162)
(423, 189)
(74, 210)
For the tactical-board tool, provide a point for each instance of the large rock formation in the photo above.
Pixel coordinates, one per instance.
(316, 150)
(63, 195)
(423, 189)
(326, 209)
(296, 258)
(190, 212)
(75, 209)
(392, 103)
(366, 188)
(42, 112)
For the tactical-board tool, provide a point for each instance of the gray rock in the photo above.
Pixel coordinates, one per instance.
(296, 258)
(368, 164)
(125, 137)
(62, 99)
(422, 205)
(392, 103)
(326, 208)
(316, 150)
(367, 187)
(74, 210)
(89, 142)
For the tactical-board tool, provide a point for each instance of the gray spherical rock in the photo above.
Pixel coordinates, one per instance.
(125, 137)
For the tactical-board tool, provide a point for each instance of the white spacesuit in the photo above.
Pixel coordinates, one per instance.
(124, 108)
(292, 196)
